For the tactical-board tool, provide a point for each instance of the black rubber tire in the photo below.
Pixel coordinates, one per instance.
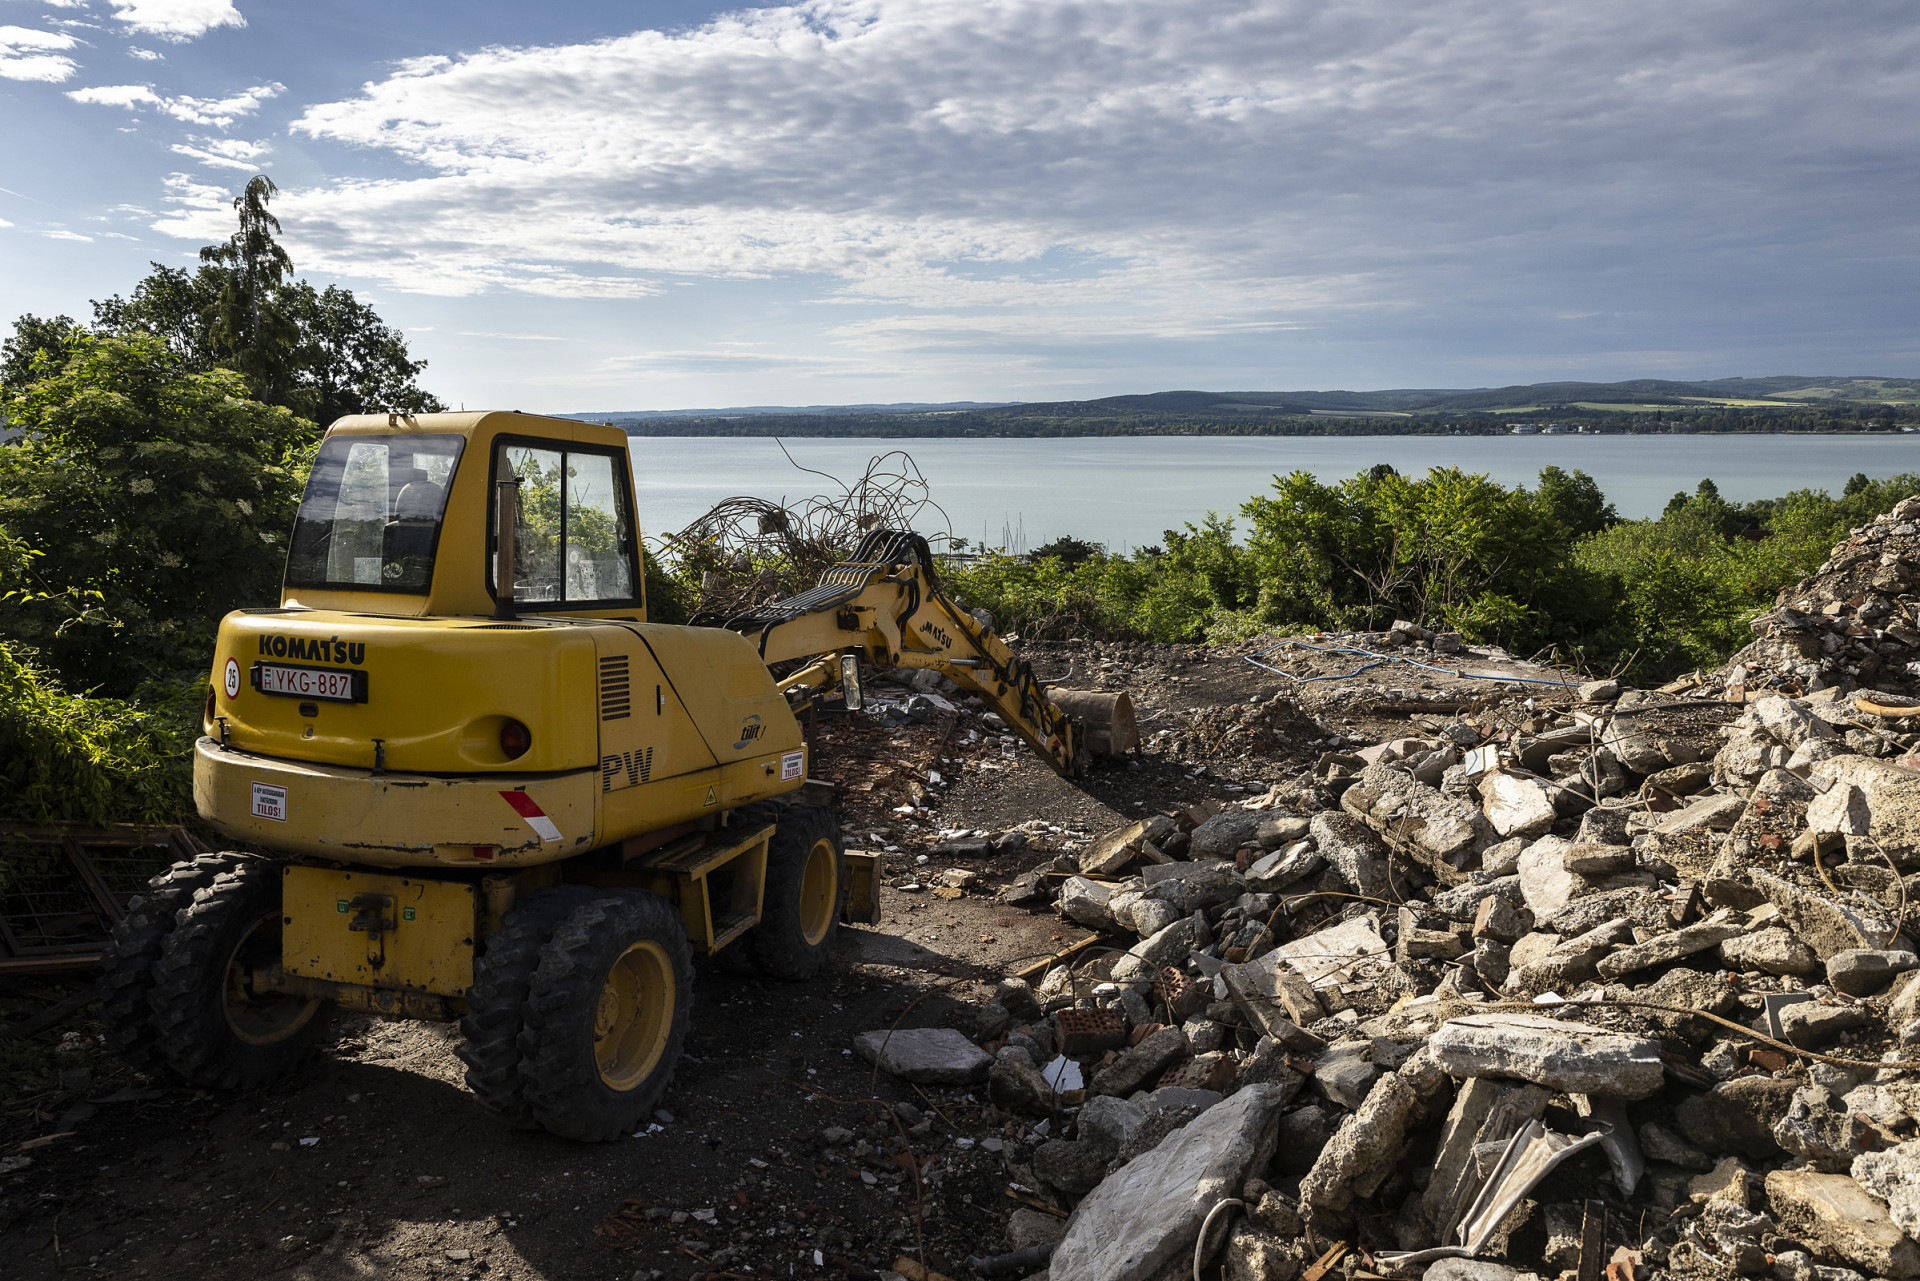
(131, 957)
(497, 1001)
(563, 1086)
(189, 989)
(779, 942)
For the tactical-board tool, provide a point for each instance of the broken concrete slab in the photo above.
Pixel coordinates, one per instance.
(1516, 806)
(1864, 971)
(1575, 1057)
(1137, 1066)
(1817, 1129)
(1736, 1116)
(1837, 1214)
(1256, 988)
(1145, 958)
(1015, 1084)
(1476, 1270)
(1327, 956)
(1824, 923)
(1442, 833)
(1283, 868)
(1113, 850)
(1190, 886)
(1225, 833)
(1148, 1213)
(925, 1055)
(1368, 1144)
(1867, 797)
(1773, 950)
(1545, 883)
(1810, 1024)
(1893, 1175)
(1085, 901)
(1710, 814)
(1673, 945)
(1360, 857)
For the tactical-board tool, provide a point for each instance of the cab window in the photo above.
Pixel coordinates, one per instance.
(573, 525)
(370, 519)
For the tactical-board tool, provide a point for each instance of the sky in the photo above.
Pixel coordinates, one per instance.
(601, 206)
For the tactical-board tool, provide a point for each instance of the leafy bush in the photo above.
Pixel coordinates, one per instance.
(159, 500)
(63, 756)
(1550, 567)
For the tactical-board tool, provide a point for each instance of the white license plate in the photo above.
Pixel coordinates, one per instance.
(335, 684)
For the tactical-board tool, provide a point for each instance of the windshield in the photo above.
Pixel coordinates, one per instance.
(370, 519)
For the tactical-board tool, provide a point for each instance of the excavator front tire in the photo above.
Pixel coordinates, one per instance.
(606, 1016)
(806, 884)
(211, 1027)
(134, 955)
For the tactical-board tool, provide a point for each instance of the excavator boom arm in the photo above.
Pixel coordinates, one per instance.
(887, 606)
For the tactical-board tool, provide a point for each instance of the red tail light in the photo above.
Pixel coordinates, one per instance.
(515, 739)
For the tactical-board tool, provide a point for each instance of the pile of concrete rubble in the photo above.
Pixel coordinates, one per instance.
(1846, 623)
(1624, 985)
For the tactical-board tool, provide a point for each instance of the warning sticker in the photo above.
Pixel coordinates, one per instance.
(233, 679)
(270, 802)
(528, 808)
(793, 765)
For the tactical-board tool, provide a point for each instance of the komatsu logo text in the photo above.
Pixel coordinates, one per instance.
(315, 649)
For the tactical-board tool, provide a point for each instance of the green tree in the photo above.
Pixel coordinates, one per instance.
(320, 353)
(156, 498)
(175, 304)
(347, 360)
(36, 347)
(1574, 501)
(248, 325)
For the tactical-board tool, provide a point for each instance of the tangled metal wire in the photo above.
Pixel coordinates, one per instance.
(747, 551)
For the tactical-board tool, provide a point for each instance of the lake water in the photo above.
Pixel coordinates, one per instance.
(1123, 491)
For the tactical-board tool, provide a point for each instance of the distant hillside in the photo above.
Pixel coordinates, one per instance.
(1782, 403)
(616, 417)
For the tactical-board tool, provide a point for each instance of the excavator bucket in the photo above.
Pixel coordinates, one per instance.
(862, 903)
(1105, 720)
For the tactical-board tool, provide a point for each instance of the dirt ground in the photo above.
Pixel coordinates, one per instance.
(373, 1160)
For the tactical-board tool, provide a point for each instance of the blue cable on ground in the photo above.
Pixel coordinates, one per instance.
(1377, 661)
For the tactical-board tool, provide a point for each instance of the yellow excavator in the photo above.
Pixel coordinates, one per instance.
(474, 783)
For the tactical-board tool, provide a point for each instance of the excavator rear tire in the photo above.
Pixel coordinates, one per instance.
(806, 885)
(606, 1016)
(212, 1029)
(496, 1003)
(125, 1011)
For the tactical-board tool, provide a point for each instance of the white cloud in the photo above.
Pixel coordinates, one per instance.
(145, 55)
(67, 235)
(5, 223)
(224, 153)
(27, 54)
(216, 112)
(177, 20)
(1007, 173)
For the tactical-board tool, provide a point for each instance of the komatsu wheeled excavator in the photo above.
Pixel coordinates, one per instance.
(474, 783)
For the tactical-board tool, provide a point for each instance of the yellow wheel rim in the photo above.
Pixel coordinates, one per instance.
(635, 1014)
(264, 1018)
(819, 890)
